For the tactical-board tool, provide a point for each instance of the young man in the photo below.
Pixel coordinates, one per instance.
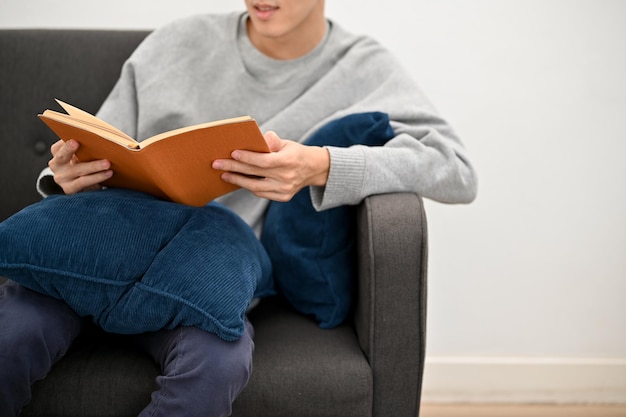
(293, 70)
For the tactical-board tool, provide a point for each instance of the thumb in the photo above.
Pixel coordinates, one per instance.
(274, 142)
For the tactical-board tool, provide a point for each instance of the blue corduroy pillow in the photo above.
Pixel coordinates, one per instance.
(314, 253)
(136, 263)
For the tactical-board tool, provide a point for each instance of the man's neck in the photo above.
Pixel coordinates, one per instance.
(293, 44)
(285, 48)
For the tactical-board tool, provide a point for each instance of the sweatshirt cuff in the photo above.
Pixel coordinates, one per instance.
(345, 179)
(46, 185)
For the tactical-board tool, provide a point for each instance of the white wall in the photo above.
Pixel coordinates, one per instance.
(527, 284)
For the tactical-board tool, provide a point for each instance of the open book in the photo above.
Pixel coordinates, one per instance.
(174, 165)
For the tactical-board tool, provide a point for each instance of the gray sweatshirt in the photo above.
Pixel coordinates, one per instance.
(204, 68)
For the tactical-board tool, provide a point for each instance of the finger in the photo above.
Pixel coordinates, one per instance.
(68, 173)
(230, 165)
(60, 144)
(262, 159)
(56, 146)
(78, 177)
(254, 184)
(85, 183)
(77, 169)
(274, 142)
(254, 159)
(262, 187)
(65, 152)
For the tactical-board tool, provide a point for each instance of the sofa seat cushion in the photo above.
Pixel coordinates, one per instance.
(299, 370)
(101, 375)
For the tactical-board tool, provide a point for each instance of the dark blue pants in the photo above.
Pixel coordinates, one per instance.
(201, 375)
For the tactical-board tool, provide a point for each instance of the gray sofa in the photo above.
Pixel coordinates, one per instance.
(370, 366)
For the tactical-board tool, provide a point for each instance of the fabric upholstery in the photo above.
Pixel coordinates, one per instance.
(36, 67)
(390, 316)
(136, 263)
(103, 376)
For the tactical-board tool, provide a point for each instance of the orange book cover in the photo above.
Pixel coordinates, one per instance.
(174, 165)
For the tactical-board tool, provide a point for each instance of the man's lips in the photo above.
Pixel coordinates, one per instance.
(265, 11)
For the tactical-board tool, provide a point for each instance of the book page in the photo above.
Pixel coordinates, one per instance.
(177, 132)
(82, 115)
(89, 127)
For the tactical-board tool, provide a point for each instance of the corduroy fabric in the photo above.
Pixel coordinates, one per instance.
(135, 263)
(314, 253)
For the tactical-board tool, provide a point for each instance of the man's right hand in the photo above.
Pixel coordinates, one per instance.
(74, 176)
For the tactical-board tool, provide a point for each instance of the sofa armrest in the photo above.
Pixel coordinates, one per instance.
(390, 316)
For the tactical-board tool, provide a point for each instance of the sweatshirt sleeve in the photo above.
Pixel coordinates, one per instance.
(425, 157)
(46, 185)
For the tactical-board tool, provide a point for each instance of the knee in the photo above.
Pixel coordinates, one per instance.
(34, 327)
(203, 374)
(227, 363)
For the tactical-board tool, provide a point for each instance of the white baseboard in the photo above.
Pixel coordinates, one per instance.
(524, 380)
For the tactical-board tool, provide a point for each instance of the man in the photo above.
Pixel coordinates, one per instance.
(293, 70)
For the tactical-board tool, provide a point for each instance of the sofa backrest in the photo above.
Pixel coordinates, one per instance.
(36, 67)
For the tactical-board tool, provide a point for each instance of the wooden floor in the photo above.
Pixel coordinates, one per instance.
(489, 410)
